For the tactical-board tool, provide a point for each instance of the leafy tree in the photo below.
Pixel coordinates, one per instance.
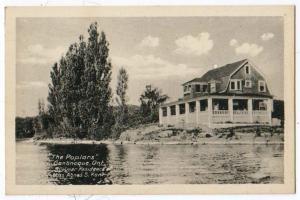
(150, 101)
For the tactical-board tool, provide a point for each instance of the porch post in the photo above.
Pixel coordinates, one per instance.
(168, 115)
(197, 110)
(230, 108)
(177, 114)
(209, 111)
(250, 110)
(186, 114)
(270, 109)
(160, 115)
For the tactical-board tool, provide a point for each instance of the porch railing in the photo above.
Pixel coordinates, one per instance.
(220, 112)
(240, 112)
(240, 116)
(259, 112)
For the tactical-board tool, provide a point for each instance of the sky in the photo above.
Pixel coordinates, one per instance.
(162, 51)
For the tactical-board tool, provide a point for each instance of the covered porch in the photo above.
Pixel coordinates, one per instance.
(241, 110)
(220, 111)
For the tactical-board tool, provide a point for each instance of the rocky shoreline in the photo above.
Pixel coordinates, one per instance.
(156, 135)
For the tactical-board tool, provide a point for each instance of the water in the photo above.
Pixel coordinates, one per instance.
(148, 164)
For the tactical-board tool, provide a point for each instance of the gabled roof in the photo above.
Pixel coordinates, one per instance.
(218, 73)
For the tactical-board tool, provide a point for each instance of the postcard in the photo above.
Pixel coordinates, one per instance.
(150, 100)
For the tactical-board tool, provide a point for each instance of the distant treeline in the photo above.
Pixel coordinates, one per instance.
(80, 103)
(25, 127)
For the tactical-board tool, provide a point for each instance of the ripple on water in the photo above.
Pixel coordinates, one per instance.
(157, 164)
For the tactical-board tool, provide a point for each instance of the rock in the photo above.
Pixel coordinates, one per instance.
(166, 133)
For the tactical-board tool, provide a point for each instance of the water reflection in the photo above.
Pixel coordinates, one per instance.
(148, 164)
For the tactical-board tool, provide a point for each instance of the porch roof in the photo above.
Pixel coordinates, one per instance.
(216, 95)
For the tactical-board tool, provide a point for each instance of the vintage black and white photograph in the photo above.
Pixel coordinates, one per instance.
(153, 100)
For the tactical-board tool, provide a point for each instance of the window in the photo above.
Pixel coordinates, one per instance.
(203, 105)
(197, 88)
(181, 108)
(164, 111)
(248, 83)
(247, 69)
(238, 85)
(192, 106)
(173, 110)
(213, 87)
(261, 86)
(235, 85)
(232, 85)
(185, 88)
(262, 106)
(204, 88)
(220, 104)
(240, 104)
(259, 104)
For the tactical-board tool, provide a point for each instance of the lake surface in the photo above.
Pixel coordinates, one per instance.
(147, 164)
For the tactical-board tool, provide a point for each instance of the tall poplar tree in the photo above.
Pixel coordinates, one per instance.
(122, 86)
(53, 96)
(79, 93)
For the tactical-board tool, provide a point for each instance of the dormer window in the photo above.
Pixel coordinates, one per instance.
(235, 85)
(213, 87)
(247, 69)
(197, 88)
(204, 88)
(185, 88)
(261, 86)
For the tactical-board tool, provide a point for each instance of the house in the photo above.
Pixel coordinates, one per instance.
(231, 95)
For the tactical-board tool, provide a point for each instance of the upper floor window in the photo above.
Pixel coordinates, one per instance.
(261, 86)
(248, 83)
(247, 69)
(197, 88)
(185, 88)
(235, 85)
(232, 85)
(204, 88)
(213, 87)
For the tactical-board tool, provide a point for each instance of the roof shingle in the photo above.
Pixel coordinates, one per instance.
(218, 73)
